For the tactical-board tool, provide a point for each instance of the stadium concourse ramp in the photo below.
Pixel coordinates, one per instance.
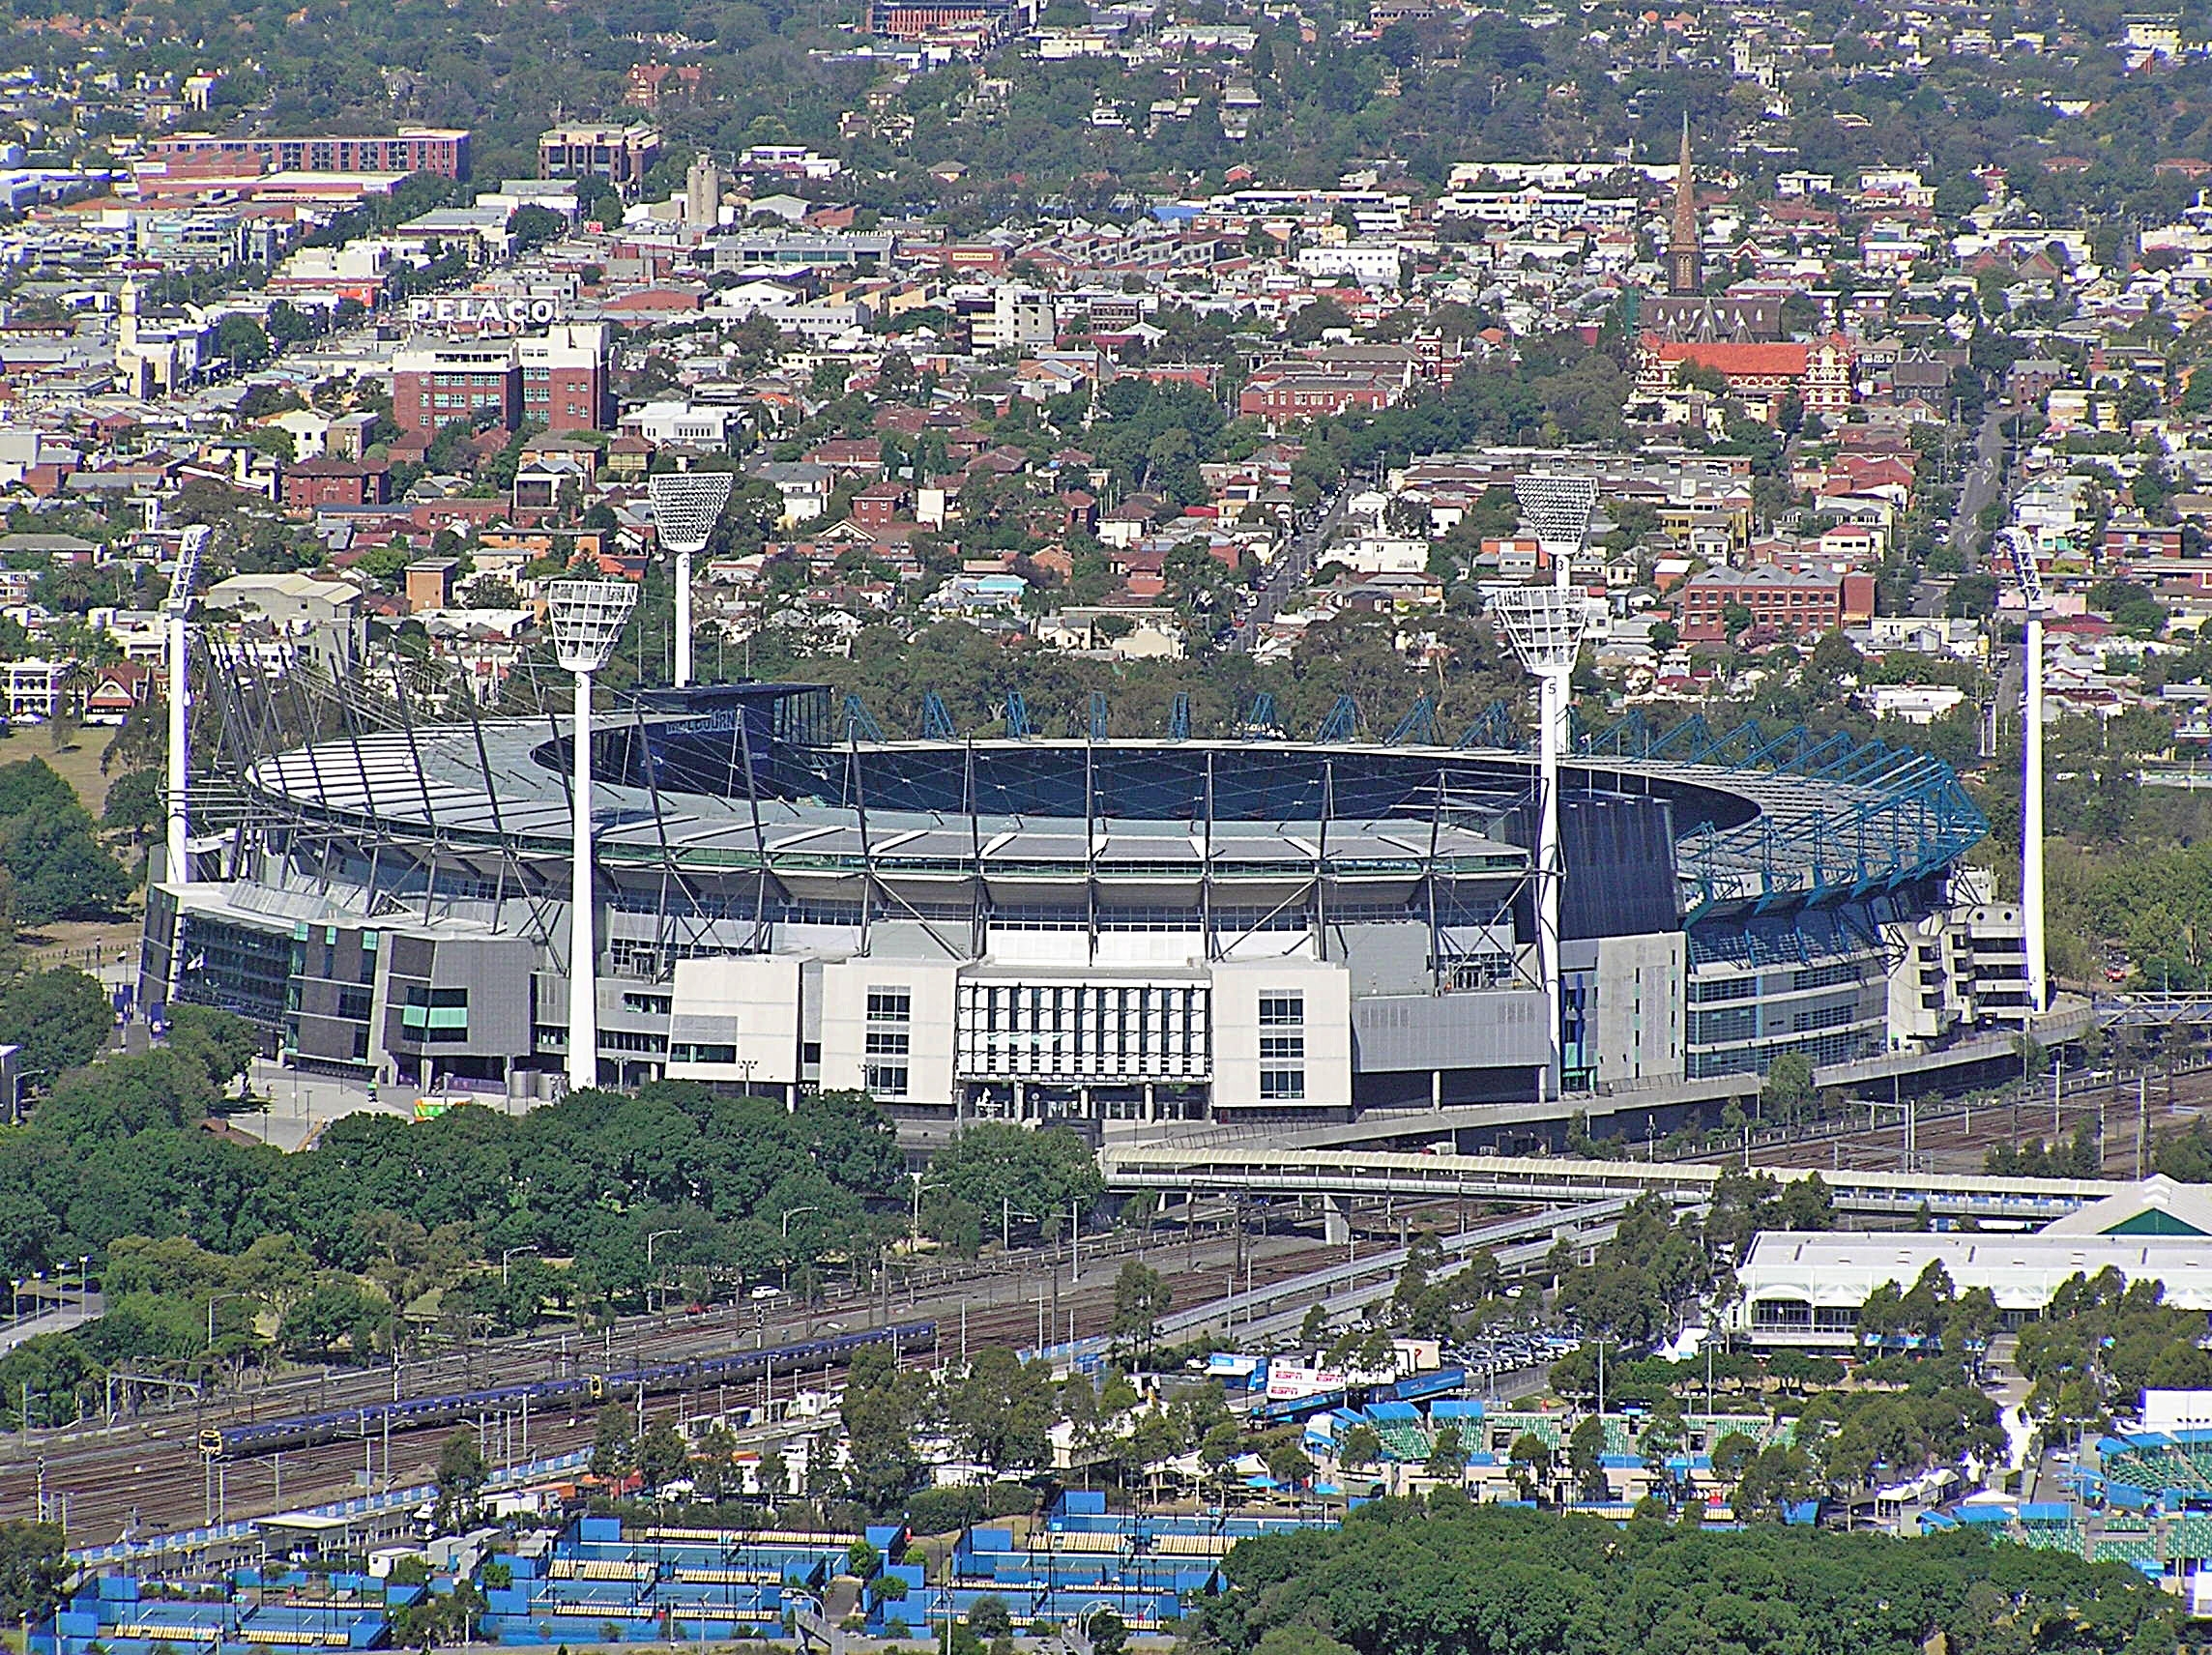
(1337, 1176)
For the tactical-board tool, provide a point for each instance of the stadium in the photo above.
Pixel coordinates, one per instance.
(1110, 929)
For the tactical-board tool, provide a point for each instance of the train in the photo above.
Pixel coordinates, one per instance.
(414, 1413)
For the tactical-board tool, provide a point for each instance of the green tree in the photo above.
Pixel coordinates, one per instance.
(135, 805)
(1530, 1458)
(462, 1475)
(34, 1569)
(1361, 1446)
(243, 340)
(1788, 1090)
(1289, 1465)
(661, 1455)
(1448, 1454)
(1586, 1445)
(1141, 1298)
(60, 1018)
(613, 1443)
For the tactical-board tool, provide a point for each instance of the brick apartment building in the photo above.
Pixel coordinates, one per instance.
(316, 483)
(560, 378)
(440, 150)
(1795, 604)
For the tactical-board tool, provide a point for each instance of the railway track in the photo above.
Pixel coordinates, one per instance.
(147, 1476)
(1957, 1140)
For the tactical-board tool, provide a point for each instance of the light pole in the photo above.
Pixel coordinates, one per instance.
(686, 507)
(649, 1240)
(177, 610)
(506, 1253)
(2021, 545)
(790, 1214)
(1544, 625)
(588, 616)
(914, 1231)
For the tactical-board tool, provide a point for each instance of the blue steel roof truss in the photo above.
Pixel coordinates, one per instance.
(1342, 723)
(1919, 820)
(1418, 726)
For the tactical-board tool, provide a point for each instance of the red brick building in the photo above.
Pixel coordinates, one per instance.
(1761, 375)
(1794, 604)
(442, 150)
(309, 483)
(655, 86)
(879, 504)
(1288, 394)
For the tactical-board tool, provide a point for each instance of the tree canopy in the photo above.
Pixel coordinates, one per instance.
(1404, 1579)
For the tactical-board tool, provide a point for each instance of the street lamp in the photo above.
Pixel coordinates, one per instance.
(790, 1214)
(506, 1253)
(648, 1243)
(1544, 625)
(914, 1233)
(588, 616)
(686, 507)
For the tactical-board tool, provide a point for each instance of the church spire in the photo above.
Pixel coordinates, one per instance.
(1683, 277)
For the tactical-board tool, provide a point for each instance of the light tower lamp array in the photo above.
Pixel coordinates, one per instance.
(588, 616)
(1560, 509)
(686, 504)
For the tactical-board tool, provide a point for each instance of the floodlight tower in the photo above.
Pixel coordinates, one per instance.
(2021, 545)
(588, 618)
(1544, 625)
(686, 507)
(1559, 508)
(176, 609)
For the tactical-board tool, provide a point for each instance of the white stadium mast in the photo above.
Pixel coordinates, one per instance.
(177, 610)
(588, 618)
(1544, 625)
(2022, 546)
(686, 504)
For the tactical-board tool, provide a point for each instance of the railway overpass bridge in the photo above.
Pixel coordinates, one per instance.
(1339, 1176)
(2164, 1010)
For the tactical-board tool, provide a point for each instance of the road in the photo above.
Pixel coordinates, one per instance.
(70, 1310)
(1288, 571)
(299, 1106)
(1983, 481)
